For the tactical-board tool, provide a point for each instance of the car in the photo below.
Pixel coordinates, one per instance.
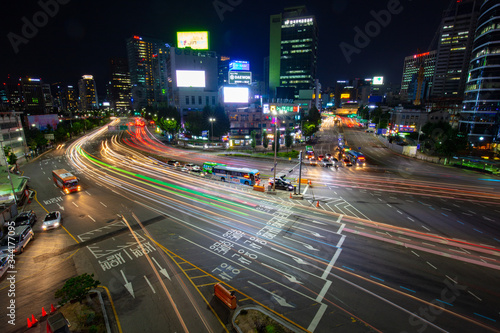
(281, 184)
(325, 162)
(329, 156)
(313, 161)
(321, 157)
(190, 166)
(4, 263)
(52, 220)
(25, 218)
(347, 161)
(173, 163)
(18, 241)
(197, 171)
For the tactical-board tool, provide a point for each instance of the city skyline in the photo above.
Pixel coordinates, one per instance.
(68, 43)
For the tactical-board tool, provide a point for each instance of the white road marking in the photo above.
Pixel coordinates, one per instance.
(103, 204)
(431, 265)
(314, 323)
(90, 217)
(150, 285)
(426, 228)
(74, 203)
(470, 292)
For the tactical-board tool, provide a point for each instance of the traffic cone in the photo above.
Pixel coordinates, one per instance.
(47, 327)
(317, 203)
(290, 195)
(33, 319)
(310, 183)
(52, 308)
(44, 313)
(29, 323)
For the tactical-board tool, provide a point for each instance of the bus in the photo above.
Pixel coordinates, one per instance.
(356, 158)
(65, 180)
(245, 176)
(208, 166)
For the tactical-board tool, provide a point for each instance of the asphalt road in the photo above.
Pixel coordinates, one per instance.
(385, 250)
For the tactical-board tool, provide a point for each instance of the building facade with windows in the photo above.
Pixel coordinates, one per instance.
(120, 89)
(87, 93)
(480, 116)
(453, 54)
(418, 72)
(293, 51)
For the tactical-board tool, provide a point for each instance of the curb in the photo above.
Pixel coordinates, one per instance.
(103, 309)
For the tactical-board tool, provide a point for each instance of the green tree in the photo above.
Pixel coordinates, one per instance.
(9, 155)
(265, 140)
(309, 129)
(253, 135)
(314, 115)
(363, 112)
(288, 138)
(76, 288)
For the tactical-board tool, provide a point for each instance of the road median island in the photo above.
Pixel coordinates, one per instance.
(257, 319)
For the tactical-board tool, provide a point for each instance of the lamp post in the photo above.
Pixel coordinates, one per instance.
(275, 150)
(212, 129)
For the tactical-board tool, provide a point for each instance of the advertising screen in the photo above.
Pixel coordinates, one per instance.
(190, 78)
(239, 65)
(197, 40)
(239, 77)
(235, 95)
(378, 80)
(345, 96)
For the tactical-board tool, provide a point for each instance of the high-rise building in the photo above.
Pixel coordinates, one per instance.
(223, 67)
(147, 61)
(293, 49)
(418, 71)
(454, 48)
(481, 106)
(87, 93)
(194, 79)
(119, 89)
(71, 98)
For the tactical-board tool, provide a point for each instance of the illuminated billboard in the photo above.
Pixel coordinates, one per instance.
(239, 65)
(239, 77)
(190, 78)
(378, 80)
(197, 40)
(345, 96)
(279, 108)
(235, 95)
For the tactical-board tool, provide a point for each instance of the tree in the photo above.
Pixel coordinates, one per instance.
(265, 140)
(309, 129)
(288, 138)
(76, 288)
(253, 135)
(363, 112)
(314, 115)
(9, 155)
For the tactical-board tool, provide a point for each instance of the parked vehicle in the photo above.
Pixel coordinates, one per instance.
(25, 218)
(16, 243)
(281, 184)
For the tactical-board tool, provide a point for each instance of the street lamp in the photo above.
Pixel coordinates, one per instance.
(211, 120)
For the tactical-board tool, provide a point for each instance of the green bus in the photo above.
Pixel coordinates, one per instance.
(208, 166)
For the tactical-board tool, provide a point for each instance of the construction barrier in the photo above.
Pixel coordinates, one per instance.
(304, 181)
(225, 296)
(259, 188)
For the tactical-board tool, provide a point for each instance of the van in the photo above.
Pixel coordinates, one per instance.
(17, 242)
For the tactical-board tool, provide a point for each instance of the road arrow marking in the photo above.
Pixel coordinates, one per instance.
(298, 260)
(307, 246)
(316, 234)
(290, 277)
(162, 270)
(128, 285)
(60, 207)
(278, 298)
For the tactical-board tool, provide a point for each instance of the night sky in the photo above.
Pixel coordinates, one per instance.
(82, 36)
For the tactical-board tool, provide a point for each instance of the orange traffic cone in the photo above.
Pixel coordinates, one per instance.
(44, 313)
(290, 195)
(29, 323)
(33, 319)
(310, 183)
(52, 308)
(47, 327)
(317, 203)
